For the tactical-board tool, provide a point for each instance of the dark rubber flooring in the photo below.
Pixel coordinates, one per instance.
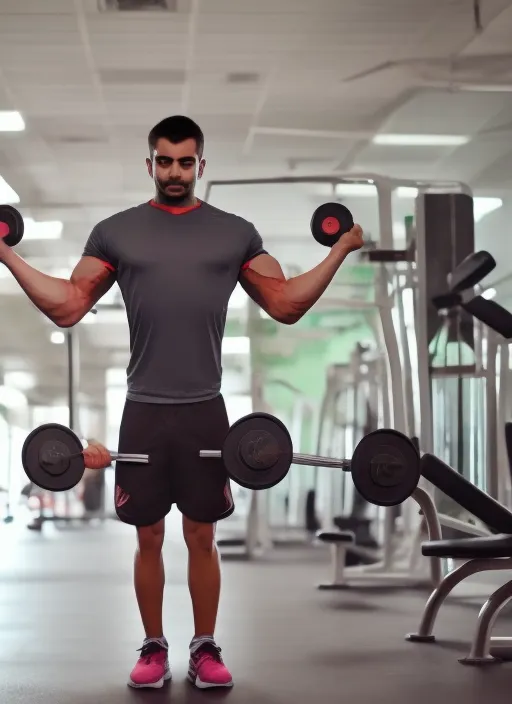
(70, 629)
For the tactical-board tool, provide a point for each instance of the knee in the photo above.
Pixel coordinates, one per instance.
(151, 538)
(199, 537)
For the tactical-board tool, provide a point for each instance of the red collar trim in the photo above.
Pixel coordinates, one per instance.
(175, 210)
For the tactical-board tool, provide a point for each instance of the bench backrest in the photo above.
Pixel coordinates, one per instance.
(466, 494)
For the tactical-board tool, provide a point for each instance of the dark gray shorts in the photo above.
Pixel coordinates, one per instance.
(172, 435)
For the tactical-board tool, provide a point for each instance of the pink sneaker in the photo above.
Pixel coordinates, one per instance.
(206, 668)
(152, 668)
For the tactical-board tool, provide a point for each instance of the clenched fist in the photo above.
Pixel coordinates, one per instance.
(351, 241)
(3, 249)
(96, 456)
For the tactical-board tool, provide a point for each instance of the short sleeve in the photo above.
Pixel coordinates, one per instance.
(96, 247)
(254, 248)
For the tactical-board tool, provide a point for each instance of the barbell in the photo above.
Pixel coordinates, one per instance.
(52, 457)
(258, 454)
(11, 225)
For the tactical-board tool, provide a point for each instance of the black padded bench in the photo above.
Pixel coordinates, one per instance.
(339, 542)
(480, 554)
(449, 481)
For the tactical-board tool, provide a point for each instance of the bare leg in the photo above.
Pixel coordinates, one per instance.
(203, 574)
(150, 577)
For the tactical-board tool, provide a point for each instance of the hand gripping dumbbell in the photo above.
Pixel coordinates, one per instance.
(52, 457)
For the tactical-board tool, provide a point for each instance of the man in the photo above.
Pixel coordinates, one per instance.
(176, 260)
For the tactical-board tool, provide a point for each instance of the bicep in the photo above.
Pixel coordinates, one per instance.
(265, 265)
(263, 280)
(92, 278)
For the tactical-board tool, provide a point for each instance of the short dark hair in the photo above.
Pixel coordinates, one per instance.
(176, 129)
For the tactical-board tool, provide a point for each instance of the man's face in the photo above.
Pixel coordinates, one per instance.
(175, 169)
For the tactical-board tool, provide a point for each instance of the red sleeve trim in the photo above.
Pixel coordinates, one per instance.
(108, 265)
(247, 265)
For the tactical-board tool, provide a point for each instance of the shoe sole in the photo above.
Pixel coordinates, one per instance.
(197, 682)
(151, 685)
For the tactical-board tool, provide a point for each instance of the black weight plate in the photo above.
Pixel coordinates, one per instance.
(329, 222)
(274, 436)
(53, 441)
(385, 467)
(11, 225)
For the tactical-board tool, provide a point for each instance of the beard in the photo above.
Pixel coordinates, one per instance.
(166, 194)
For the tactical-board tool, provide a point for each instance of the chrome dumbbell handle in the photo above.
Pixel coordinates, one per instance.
(127, 457)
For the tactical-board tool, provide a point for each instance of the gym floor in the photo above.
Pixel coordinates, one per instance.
(70, 629)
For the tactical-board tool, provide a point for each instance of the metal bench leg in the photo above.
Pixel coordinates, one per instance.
(481, 651)
(436, 599)
(338, 558)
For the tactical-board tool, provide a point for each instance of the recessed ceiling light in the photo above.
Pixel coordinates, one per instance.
(421, 140)
(11, 121)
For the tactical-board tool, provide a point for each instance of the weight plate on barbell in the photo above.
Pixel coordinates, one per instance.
(329, 222)
(11, 225)
(258, 451)
(46, 457)
(385, 467)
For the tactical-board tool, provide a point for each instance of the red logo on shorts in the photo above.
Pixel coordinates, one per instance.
(121, 497)
(228, 495)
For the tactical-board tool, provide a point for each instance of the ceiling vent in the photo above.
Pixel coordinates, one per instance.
(142, 76)
(138, 5)
(243, 77)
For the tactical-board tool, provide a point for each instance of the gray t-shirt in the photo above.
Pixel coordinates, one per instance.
(176, 269)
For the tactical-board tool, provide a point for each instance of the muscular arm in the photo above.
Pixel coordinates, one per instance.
(287, 300)
(63, 301)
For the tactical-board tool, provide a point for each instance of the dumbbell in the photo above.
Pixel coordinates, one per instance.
(329, 222)
(52, 457)
(11, 225)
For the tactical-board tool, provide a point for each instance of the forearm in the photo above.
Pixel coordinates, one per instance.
(301, 292)
(57, 298)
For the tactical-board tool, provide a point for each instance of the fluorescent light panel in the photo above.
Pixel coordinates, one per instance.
(43, 230)
(421, 140)
(57, 337)
(8, 195)
(24, 381)
(366, 190)
(11, 121)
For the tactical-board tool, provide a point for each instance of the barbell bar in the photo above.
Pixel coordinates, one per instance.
(258, 453)
(298, 458)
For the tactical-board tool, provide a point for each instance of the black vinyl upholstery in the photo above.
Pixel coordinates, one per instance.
(470, 548)
(466, 494)
(336, 537)
(491, 314)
